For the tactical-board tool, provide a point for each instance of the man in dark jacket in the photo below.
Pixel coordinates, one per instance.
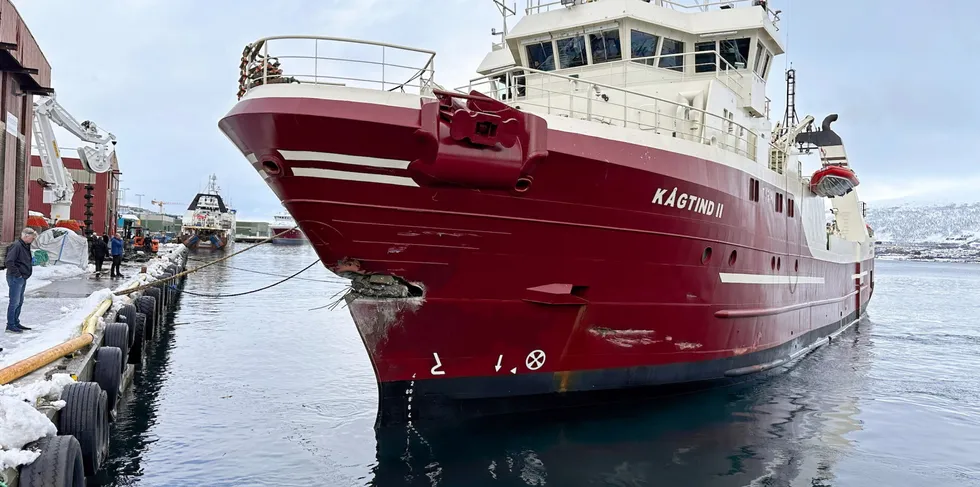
(19, 264)
(100, 248)
(116, 249)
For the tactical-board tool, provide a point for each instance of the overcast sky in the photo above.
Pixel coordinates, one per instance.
(159, 74)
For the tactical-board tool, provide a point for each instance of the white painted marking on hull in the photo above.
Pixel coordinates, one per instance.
(730, 278)
(302, 155)
(315, 172)
(251, 158)
(859, 276)
(435, 368)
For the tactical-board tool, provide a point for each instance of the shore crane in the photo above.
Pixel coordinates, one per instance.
(59, 187)
(161, 204)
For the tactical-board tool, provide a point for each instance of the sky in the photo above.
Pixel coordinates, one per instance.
(159, 74)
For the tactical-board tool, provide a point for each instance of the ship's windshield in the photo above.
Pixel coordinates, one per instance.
(705, 62)
(735, 51)
(541, 56)
(643, 45)
(571, 52)
(671, 54)
(605, 46)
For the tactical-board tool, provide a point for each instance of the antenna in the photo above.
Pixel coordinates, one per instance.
(505, 12)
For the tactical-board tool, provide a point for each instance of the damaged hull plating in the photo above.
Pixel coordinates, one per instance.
(622, 266)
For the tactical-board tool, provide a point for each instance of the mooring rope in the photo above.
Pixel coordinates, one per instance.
(337, 280)
(125, 292)
(174, 286)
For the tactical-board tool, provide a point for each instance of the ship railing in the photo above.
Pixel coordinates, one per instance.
(541, 6)
(336, 61)
(677, 65)
(568, 96)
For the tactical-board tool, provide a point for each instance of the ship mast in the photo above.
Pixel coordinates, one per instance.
(505, 12)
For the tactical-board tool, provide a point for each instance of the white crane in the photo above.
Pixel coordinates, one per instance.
(59, 185)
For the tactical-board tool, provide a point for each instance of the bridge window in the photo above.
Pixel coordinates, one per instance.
(605, 46)
(643, 45)
(762, 58)
(571, 52)
(672, 54)
(735, 52)
(758, 56)
(541, 56)
(704, 63)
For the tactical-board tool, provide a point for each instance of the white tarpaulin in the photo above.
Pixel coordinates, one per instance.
(63, 247)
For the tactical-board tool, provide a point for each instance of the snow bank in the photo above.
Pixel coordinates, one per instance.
(44, 275)
(21, 423)
(59, 330)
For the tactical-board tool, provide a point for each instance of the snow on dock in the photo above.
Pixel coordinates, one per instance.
(55, 365)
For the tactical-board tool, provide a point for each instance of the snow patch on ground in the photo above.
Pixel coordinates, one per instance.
(21, 423)
(59, 330)
(43, 275)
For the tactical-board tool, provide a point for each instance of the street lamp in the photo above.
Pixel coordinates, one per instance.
(140, 203)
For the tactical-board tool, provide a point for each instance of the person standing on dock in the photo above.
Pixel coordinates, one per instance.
(20, 265)
(100, 248)
(117, 253)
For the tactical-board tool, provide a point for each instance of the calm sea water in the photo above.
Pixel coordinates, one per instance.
(264, 390)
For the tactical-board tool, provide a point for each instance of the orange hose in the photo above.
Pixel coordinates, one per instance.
(30, 364)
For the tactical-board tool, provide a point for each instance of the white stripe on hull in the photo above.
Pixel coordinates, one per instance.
(730, 278)
(315, 172)
(302, 155)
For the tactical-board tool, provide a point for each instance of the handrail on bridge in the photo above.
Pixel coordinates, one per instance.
(516, 81)
(259, 67)
(536, 6)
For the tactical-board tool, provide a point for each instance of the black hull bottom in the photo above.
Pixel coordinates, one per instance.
(455, 400)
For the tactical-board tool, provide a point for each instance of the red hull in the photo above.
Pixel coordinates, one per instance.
(616, 291)
(292, 235)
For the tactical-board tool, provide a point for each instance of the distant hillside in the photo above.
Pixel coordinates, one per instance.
(957, 224)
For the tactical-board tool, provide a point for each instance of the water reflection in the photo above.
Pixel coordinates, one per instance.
(787, 429)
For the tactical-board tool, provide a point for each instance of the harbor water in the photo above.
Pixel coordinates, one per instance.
(275, 388)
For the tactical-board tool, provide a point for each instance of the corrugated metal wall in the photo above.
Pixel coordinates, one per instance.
(24, 71)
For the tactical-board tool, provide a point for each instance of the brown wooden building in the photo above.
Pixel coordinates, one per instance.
(24, 71)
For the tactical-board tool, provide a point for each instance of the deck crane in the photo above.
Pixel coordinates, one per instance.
(59, 187)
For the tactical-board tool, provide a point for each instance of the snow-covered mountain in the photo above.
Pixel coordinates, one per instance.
(952, 224)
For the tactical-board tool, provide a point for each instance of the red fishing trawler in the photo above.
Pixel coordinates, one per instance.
(284, 231)
(607, 208)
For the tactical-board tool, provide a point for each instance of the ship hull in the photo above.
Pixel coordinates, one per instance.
(467, 398)
(292, 236)
(206, 240)
(597, 280)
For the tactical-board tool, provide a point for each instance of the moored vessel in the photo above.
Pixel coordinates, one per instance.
(208, 223)
(285, 231)
(607, 208)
